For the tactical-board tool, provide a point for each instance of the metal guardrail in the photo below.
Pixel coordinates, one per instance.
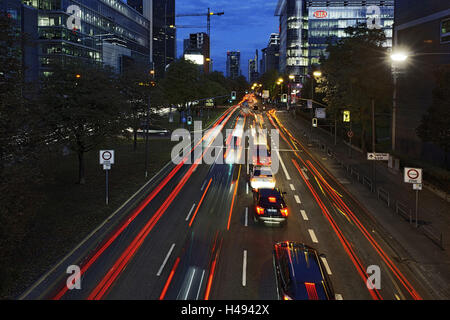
(367, 182)
(403, 211)
(384, 196)
(434, 235)
(354, 172)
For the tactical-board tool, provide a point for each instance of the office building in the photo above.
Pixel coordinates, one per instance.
(271, 55)
(422, 29)
(198, 45)
(233, 64)
(253, 67)
(307, 25)
(164, 35)
(26, 20)
(110, 31)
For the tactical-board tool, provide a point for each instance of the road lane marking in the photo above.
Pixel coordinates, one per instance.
(200, 285)
(189, 286)
(203, 186)
(327, 267)
(338, 296)
(246, 217)
(190, 212)
(244, 269)
(246, 188)
(283, 166)
(292, 187)
(305, 217)
(313, 236)
(165, 260)
(297, 199)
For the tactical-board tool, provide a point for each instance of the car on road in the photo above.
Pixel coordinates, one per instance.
(300, 273)
(270, 207)
(261, 155)
(262, 177)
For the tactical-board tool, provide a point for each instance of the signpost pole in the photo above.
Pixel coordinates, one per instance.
(107, 187)
(417, 208)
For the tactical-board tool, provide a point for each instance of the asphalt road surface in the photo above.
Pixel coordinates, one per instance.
(194, 238)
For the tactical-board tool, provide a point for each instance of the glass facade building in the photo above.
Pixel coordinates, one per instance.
(307, 25)
(233, 64)
(104, 23)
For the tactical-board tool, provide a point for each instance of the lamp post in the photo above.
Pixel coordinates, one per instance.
(398, 58)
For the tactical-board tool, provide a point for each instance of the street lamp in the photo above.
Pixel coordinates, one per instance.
(399, 57)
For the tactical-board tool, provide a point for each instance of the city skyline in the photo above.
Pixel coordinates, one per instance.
(245, 19)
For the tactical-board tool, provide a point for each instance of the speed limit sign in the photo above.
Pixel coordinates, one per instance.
(107, 156)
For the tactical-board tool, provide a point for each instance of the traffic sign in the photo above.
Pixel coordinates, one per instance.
(350, 134)
(321, 113)
(107, 156)
(417, 186)
(346, 116)
(413, 175)
(310, 104)
(378, 156)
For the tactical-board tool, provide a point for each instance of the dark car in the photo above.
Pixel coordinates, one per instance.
(300, 273)
(270, 207)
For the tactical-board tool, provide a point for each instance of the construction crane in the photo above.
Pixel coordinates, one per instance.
(208, 17)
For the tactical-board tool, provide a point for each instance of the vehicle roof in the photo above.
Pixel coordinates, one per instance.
(304, 270)
(269, 193)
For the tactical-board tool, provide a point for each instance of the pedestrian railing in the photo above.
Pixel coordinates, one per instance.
(367, 182)
(383, 195)
(354, 172)
(403, 211)
(434, 235)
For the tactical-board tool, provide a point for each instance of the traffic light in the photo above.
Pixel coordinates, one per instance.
(284, 98)
(233, 95)
(314, 122)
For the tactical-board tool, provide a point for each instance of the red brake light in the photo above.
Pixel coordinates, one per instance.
(259, 210)
(284, 212)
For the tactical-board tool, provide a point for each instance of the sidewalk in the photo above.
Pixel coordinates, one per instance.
(392, 203)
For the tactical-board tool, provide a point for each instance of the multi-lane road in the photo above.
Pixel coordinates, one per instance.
(192, 237)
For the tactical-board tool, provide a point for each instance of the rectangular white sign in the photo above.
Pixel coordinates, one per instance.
(378, 156)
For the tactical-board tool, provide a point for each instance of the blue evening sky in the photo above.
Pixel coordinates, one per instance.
(245, 27)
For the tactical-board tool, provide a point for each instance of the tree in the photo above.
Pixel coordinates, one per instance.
(435, 124)
(19, 142)
(82, 106)
(355, 74)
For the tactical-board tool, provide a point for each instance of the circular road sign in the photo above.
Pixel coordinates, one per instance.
(413, 174)
(350, 134)
(106, 155)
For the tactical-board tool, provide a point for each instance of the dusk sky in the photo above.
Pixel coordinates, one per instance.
(245, 27)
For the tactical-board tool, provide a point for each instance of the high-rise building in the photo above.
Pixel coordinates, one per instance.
(306, 26)
(421, 29)
(164, 35)
(110, 31)
(253, 67)
(271, 55)
(233, 64)
(26, 20)
(198, 44)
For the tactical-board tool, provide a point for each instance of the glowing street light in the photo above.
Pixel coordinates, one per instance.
(399, 57)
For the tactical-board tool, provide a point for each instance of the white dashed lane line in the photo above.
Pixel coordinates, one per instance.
(292, 187)
(327, 267)
(165, 260)
(313, 236)
(297, 199)
(190, 212)
(244, 269)
(304, 216)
